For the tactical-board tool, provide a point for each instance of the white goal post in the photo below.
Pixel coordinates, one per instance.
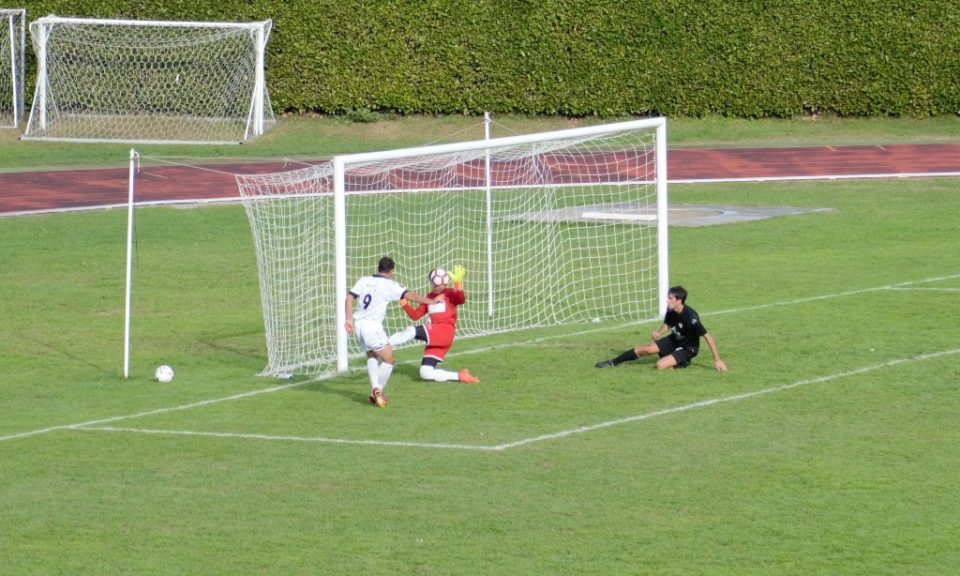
(149, 81)
(13, 45)
(553, 228)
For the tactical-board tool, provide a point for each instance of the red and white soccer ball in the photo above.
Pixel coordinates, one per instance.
(439, 277)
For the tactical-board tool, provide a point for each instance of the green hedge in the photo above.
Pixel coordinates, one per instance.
(593, 57)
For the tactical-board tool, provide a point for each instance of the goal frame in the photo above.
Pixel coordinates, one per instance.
(16, 50)
(341, 163)
(40, 29)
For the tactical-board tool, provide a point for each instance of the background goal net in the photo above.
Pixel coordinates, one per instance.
(149, 81)
(553, 228)
(12, 50)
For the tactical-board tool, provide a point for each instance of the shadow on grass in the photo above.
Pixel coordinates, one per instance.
(355, 386)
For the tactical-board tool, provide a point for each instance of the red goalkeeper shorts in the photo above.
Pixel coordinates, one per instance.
(439, 340)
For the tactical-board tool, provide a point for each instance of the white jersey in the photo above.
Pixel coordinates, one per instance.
(373, 294)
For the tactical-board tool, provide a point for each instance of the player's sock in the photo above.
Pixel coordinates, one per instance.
(373, 370)
(625, 357)
(385, 371)
(403, 336)
(437, 375)
(445, 375)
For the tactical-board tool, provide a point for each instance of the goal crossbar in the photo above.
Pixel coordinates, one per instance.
(502, 142)
(154, 23)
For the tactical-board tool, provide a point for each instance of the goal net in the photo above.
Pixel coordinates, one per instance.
(553, 228)
(12, 50)
(149, 81)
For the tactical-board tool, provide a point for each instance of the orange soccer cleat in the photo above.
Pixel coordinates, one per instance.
(466, 376)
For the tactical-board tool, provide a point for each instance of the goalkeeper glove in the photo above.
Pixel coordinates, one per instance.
(457, 274)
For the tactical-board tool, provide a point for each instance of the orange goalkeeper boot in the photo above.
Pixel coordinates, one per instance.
(466, 376)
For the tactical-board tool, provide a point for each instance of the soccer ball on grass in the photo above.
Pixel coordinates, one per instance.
(163, 374)
(439, 277)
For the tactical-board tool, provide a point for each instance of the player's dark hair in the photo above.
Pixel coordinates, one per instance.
(679, 292)
(386, 265)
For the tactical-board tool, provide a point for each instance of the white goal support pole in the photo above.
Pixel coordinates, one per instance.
(555, 228)
(663, 221)
(489, 198)
(149, 81)
(340, 260)
(12, 61)
(255, 121)
(131, 185)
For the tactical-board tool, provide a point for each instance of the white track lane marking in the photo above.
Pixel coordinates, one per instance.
(887, 176)
(234, 199)
(325, 376)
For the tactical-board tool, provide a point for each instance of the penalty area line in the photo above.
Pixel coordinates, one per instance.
(316, 439)
(464, 352)
(918, 289)
(724, 399)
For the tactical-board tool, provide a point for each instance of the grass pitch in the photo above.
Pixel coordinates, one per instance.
(830, 447)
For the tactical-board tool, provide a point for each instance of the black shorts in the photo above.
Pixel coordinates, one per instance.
(683, 356)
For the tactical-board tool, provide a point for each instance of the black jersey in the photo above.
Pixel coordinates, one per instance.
(685, 328)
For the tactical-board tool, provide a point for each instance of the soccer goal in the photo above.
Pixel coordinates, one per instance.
(553, 228)
(146, 81)
(12, 49)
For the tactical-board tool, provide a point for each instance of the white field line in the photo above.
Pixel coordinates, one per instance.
(901, 286)
(909, 285)
(316, 439)
(723, 399)
(92, 423)
(160, 410)
(535, 439)
(927, 289)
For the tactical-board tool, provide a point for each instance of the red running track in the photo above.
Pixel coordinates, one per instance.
(28, 192)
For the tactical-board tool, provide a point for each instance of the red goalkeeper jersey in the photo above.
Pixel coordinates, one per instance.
(444, 311)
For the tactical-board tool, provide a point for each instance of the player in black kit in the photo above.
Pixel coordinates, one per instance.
(677, 349)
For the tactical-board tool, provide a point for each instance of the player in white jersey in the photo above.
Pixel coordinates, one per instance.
(373, 294)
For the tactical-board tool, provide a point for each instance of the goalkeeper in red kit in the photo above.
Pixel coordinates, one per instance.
(440, 328)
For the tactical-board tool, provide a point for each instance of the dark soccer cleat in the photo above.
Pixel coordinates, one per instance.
(604, 363)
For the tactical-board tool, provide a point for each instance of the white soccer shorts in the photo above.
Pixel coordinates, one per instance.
(370, 335)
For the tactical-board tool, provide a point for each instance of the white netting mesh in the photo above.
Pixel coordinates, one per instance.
(572, 224)
(149, 81)
(12, 45)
